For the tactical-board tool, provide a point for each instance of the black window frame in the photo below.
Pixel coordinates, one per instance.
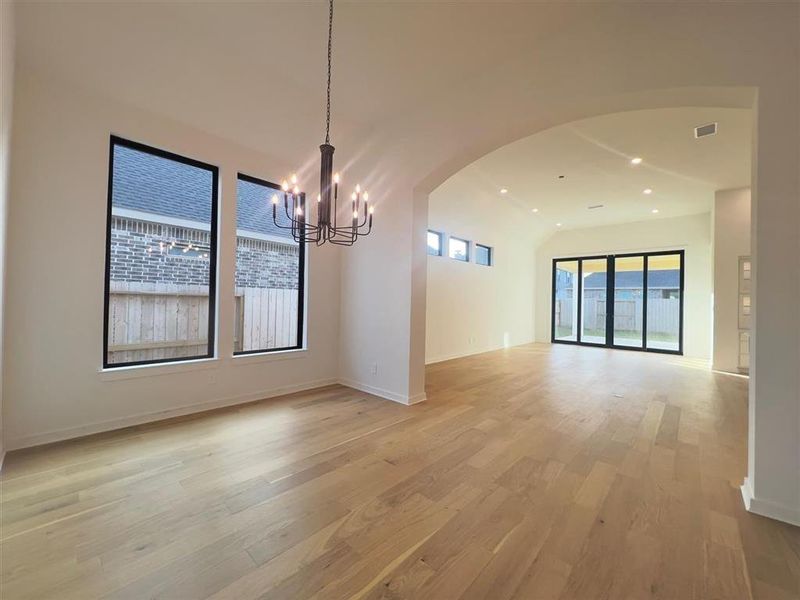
(610, 278)
(467, 255)
(439, 235)
(489, 255)
(301, 281)
(114, 141)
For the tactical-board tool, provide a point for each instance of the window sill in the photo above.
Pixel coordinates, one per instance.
(154, 370)
(263, 357)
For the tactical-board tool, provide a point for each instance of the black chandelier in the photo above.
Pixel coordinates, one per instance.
(300, 215)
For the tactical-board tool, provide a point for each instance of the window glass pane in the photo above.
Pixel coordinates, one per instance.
(593, 322)
(628, 301)
(269, 274)
(434, 243)
(162, 257)
(459, 249)
(565, 304)
(664, 302)
(483, 255)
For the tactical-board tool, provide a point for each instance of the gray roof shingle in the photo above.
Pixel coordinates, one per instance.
(633, 279)
(153, 184)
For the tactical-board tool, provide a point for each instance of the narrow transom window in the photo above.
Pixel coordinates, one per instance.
(458, 249)
(434, 243)
(483, 255)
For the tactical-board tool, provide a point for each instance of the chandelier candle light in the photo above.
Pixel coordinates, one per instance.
(326, 228)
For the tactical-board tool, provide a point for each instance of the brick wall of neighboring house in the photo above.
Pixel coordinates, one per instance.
(259, 263)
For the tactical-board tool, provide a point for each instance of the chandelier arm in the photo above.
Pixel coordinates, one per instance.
(299, 223)
(340, 233)
(343, 240)
(366, 217)
(286, 206)
(349, 242)
(295, 223)
(291, 219)
(335, 205)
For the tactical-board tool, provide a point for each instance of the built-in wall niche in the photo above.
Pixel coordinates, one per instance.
(745, 311)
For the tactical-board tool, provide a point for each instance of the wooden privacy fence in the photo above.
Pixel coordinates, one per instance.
(265, 318)
(149, 321)
(663, 314)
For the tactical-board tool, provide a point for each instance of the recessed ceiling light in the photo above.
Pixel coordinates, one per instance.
(636, 160)
(558, 224)
(535, 210)
(647, 191)
(503, 191)
(654, 211)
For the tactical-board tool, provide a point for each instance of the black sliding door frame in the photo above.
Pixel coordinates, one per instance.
(577, 339)
(610, 300)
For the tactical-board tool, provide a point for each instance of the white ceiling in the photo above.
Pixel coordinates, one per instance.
(594, 156)
(255, 71)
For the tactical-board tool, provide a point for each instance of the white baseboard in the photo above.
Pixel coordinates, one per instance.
(387, 394)
(150, 417)
(140, 419)
(438, 359)
(767, 508)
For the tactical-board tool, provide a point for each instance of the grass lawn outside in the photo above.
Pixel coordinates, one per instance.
(563, 331)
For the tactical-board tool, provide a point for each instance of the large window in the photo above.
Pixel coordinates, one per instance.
(270, 268)
(161, 255)
(630, 301)
(458, 249)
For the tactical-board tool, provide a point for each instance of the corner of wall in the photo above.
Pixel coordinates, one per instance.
(7, 40)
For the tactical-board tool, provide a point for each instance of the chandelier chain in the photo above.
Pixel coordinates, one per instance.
(299, 217)
(330, 47)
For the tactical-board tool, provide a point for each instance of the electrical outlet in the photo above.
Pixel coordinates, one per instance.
(374, 368)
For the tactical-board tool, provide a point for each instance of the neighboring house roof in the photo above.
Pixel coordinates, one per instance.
(254, 209)
(633, 279)
(152, 184)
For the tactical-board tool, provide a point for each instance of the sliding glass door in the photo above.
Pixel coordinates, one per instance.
(594, 284)
(631, 301)
(664, 302)
(628, 301)
(565, 306)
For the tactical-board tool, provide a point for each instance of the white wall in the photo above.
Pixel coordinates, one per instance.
(605, 58)
(692, 234)
(731, 241)
(6, 102)
(54, 304)
(472, 308)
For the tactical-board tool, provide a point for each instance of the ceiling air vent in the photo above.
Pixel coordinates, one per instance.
(593, 206)
(705, 130)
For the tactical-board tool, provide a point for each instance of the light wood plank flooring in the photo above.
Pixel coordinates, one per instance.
(536, 472)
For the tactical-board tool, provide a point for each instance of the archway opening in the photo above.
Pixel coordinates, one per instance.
(644, 183)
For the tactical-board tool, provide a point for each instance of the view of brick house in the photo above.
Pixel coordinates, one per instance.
(160, 258)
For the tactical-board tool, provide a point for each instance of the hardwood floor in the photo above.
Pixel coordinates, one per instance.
(537, 472)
